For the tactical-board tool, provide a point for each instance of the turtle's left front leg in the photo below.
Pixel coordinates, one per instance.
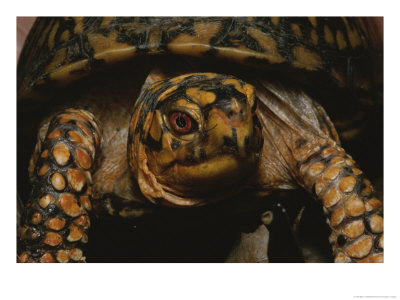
(354, 212)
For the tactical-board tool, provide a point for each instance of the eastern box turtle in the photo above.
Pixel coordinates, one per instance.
(153, 118)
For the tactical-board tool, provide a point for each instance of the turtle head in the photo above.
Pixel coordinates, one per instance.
(194, 138)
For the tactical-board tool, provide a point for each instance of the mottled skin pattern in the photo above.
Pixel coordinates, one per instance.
(190, 131)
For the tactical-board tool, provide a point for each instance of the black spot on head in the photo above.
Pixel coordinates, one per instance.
(224, 96)
(153, 144)
(190, 159)
(175, 144)
(231, 142)
(203, 154)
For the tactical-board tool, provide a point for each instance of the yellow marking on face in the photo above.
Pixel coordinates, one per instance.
(306, 59)
(175, 81)
(52, 35)
(78, 29)
(166, 93)
(314, 37)
(250, 92)
(275, 20)
(328, 35)
(182, 153)
(268, 43)
(353, 36)
(218, 119)
(155, 130)
(198, 43)
(65, 36)
(313, 21)
(221, 169)
(296, 29)
(167, 155)
(236, 107)
(204, 97)
(235, 83)
(181, 102)
(340, 40)
(246, 89)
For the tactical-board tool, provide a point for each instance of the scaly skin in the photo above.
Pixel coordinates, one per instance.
(301, 147)
(354, 213)
(56, 220)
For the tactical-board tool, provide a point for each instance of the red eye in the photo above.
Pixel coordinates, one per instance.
(181, 122)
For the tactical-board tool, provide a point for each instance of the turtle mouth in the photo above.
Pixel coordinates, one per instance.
(215, 179)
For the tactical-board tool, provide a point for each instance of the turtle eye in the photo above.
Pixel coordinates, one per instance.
(182, 123)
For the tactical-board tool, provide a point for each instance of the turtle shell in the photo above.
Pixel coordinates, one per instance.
(59, 51)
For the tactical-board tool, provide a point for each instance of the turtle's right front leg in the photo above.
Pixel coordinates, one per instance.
(55, 220)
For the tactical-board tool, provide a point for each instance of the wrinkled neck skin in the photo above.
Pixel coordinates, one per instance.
(294, 125)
